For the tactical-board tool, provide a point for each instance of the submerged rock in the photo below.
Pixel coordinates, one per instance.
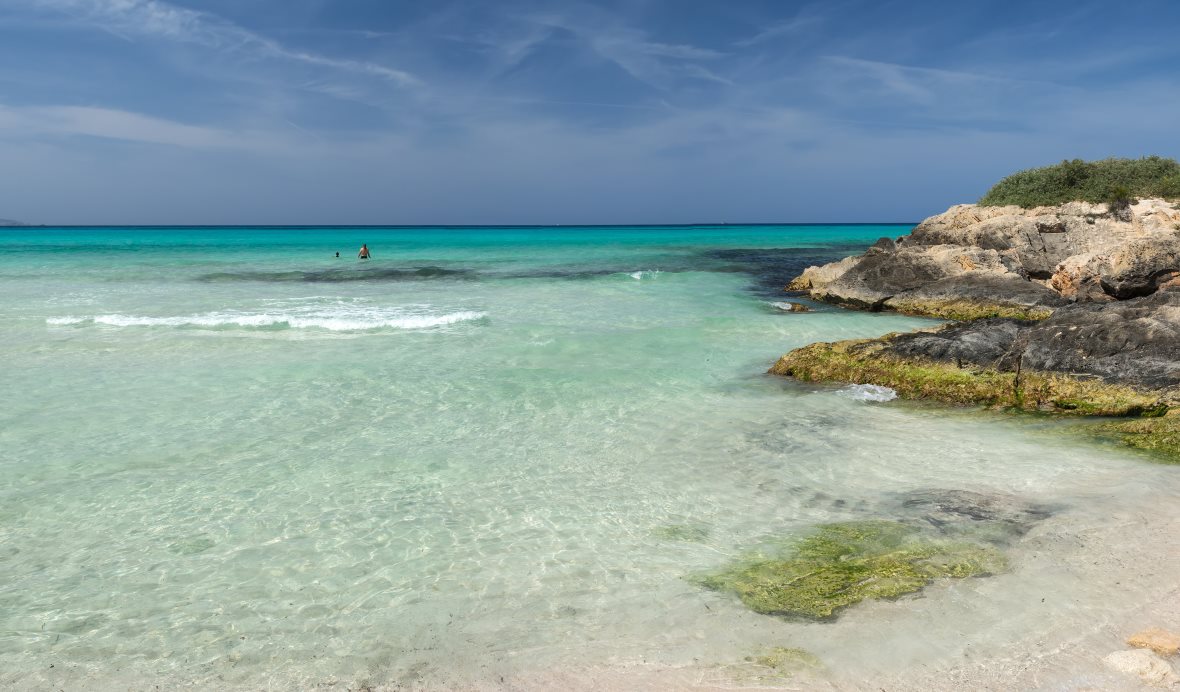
(1162, 642)
(787, 660)
(963, 511)
(1149, 668)
(844, 563)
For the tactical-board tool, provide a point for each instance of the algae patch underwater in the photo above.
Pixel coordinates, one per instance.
(844, 563)
(1158, 436)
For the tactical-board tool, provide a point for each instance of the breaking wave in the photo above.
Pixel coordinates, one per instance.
(868, 392)
(351, 319)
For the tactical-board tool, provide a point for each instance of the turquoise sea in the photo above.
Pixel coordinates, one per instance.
(494, 458)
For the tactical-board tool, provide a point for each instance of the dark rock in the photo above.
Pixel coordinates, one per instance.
(982, 342)
(1140, 267)
(1008, 290)
(1051, 227)
(1132, 342)
(880, 275)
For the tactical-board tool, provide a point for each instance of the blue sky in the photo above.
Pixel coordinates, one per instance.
(507, 111)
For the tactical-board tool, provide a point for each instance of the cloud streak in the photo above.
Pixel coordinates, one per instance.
(115, 124)
(157, 19)
(583, 111)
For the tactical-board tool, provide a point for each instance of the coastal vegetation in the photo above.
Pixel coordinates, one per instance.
(1111, 181)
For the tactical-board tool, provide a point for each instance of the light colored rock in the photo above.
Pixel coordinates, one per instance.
(1077, 250)
(1161, 641)
(819, 277)
(1149, 668)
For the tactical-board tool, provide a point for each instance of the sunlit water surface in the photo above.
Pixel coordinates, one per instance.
(496, 457)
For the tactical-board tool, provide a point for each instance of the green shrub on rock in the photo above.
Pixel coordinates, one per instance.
(1169, 187)
(1119, 203)
(1087, 181)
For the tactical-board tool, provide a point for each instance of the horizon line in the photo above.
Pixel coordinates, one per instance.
(498, 225)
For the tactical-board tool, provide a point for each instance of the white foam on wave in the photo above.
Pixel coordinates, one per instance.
(644, 274)
(352, 319)
(868, 392)
(786, 306)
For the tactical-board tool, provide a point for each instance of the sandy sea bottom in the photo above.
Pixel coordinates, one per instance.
(447, 482)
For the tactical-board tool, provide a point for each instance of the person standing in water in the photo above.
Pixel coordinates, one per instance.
(364, 253)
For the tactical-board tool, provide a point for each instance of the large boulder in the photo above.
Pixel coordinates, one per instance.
(984, 261)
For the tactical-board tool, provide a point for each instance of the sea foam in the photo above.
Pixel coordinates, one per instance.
(352, 319)
(868, 392)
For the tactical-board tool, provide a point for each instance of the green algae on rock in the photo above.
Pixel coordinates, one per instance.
(844, 563)
(786, 660)
(870, 361)
(768, 667)
(967, 310)
(1157, 436)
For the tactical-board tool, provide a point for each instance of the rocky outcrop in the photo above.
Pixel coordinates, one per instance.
(1134, 342)
(973, 261)
(1118, 358)
(885, 363)
(1059, 309)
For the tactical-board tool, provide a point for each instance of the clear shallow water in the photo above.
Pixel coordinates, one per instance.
(230, 459)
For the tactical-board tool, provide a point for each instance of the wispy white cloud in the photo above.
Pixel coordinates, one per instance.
(925, 85)
(704, 73)
(652, 62)
(23, 122)
(780, 30)
(645, 60)
(824, 110)
(154, 18)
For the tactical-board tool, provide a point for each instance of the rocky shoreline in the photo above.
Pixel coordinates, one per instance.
(1071, 309)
